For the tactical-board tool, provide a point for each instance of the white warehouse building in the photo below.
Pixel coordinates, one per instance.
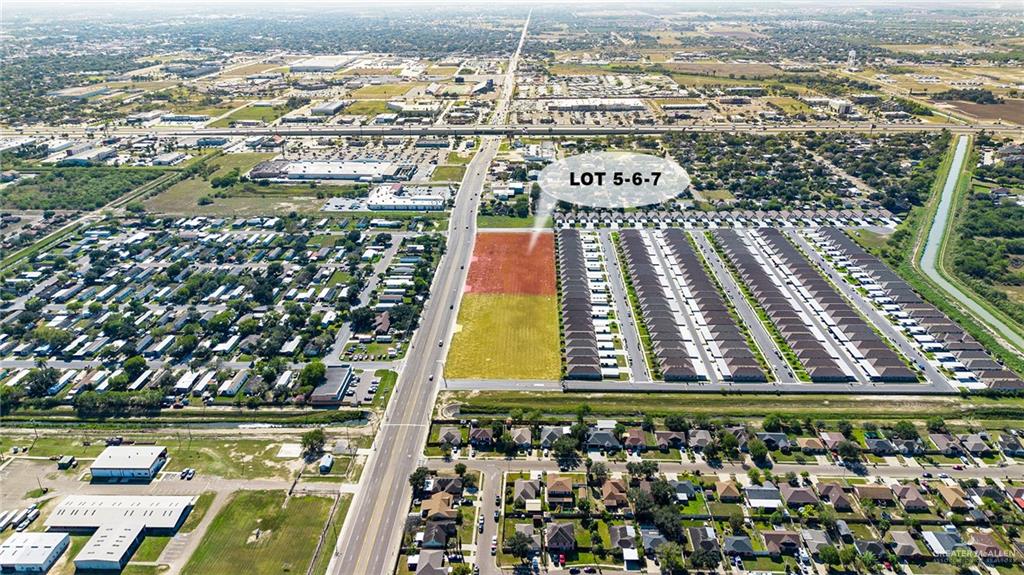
(118, 524)
(31, 552)
(129, 462)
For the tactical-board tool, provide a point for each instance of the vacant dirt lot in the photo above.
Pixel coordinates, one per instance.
(503, 263)
(1008, 111)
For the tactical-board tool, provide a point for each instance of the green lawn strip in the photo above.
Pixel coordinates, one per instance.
(323, 559)
(448, 174)
(262, 531)
(385, 388)
(199, 510)
(504, 222)
(64, 414)
(815, 406)
(150, 549)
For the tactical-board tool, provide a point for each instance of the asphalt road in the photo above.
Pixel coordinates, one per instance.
(627, 323)
(372, 533)
(930, 256)
(516, 130)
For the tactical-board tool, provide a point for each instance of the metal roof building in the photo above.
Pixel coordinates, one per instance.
(119, 524)
(32, 552)
(129, 462)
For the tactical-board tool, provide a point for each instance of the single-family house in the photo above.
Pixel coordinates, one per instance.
(728, 492)
(877, 494)
(561, 537)
(613, 494)
(911, 499)
(797, 497)
(781, 542)
(481, 437)
(903, 545)
(524, 490)
(559, 490)
(953, 497)
(835, 494)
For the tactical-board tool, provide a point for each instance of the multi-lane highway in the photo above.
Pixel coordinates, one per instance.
(371, 537)
(501, 129)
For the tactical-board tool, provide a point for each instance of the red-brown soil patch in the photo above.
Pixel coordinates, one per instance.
(503, 263)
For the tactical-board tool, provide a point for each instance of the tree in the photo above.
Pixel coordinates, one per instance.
(963, 559)
(313, 441)
(417, 477)
(40, 380)
(670, 556)
(704, 558)
(936, 425)
(905, 430)
(848, 450)
(772, 422)
(677, 423)
(362, 319)
(564, 448)
(643, 504)
(313, 373)
(827, 516)
(729, 444)
(134, 366)
(663, 492)
(736, 522)
(847, 555)
(869, 561)
(648, 424)
(669, 522)
(829, 555)
(460, 469)
(758, 450)
(582, 412)
(519, 544)
(599, 473)
(844, 427)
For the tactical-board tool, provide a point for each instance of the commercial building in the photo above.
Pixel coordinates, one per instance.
(118, 523)
(597, 105)
(329, 108)
(184, 118)
(169, 159)
(359, 170)
(88, 157)
(320, 64)
(129, 462)
(400, 198)
(30, 552)
(80, 92)
(329, 393)
(427, 109)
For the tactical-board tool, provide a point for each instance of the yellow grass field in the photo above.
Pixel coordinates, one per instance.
(506, 337)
